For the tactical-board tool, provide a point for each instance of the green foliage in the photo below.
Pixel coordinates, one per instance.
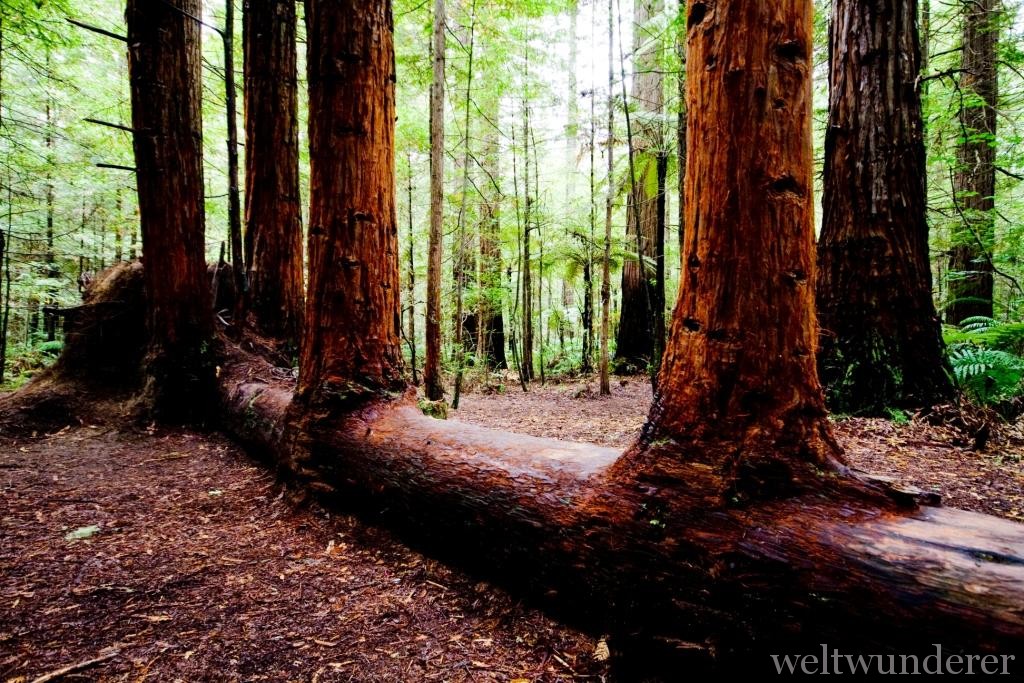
(986, 358)
(988, 375)
(898, 417)
(435, 409)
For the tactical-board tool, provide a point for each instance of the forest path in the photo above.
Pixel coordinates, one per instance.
(191, 565)
(933, 458)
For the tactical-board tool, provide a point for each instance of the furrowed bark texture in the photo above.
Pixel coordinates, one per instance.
(974, 184)
(351, 343)
(273, 215)
(881, 339)
(164, 69)
(634, 342)
(738, 384)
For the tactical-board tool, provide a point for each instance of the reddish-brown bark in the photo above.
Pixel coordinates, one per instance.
(738, 388)
(351, 341)
(273, 215)
(881, 340)
(164, 69)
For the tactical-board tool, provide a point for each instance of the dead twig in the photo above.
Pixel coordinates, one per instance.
(64, 671)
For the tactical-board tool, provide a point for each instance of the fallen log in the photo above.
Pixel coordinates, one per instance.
(650, 557)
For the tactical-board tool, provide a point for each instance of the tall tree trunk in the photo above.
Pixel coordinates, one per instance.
(658, 289)
(515, 323)
(433, 385)
(52, 272)
(238, 255)
(411, 278)
(164, 68)
(351, 347)
(273, 214)
(974, 183)
(541, 327)
(881, 342)
(461, 250)
(492, 321)
(634, 347)
(587, 359)
(5, 261)
(738, 387)
(606, 260)
(526, 276)
(681, 131)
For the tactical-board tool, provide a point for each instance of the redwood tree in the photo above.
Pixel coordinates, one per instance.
(273, 215)
(974, 183)
(351, 345)
(164, 68)
(634, 343)
(881, 339)
(739, 376)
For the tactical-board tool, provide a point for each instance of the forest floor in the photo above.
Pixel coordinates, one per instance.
(171, 555)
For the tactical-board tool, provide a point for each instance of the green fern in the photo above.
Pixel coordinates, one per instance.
(977, 323)
(987, 374)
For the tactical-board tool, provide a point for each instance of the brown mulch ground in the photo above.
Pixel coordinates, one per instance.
(929, 457)
(198, 568)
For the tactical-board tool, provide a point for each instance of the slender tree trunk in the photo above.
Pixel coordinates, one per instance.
(881, 342)
(526, 277)
(635, 347)
(411, 280)
(118, 229)
(926, 40)
(587, 360)
(5, 260)
(52, 272)
(606, 261)
(658, 290)
(434, 387)
(164, 68)
(351, 346)
(460, 265)
(521, 223)
(543, 329)
(681, 133)
(273, 214)
(238, 261)
(974, 183)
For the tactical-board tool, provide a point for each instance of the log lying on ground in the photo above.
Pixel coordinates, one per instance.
(650, 557)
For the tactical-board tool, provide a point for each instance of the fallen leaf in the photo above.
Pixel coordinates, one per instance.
(81, 533)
